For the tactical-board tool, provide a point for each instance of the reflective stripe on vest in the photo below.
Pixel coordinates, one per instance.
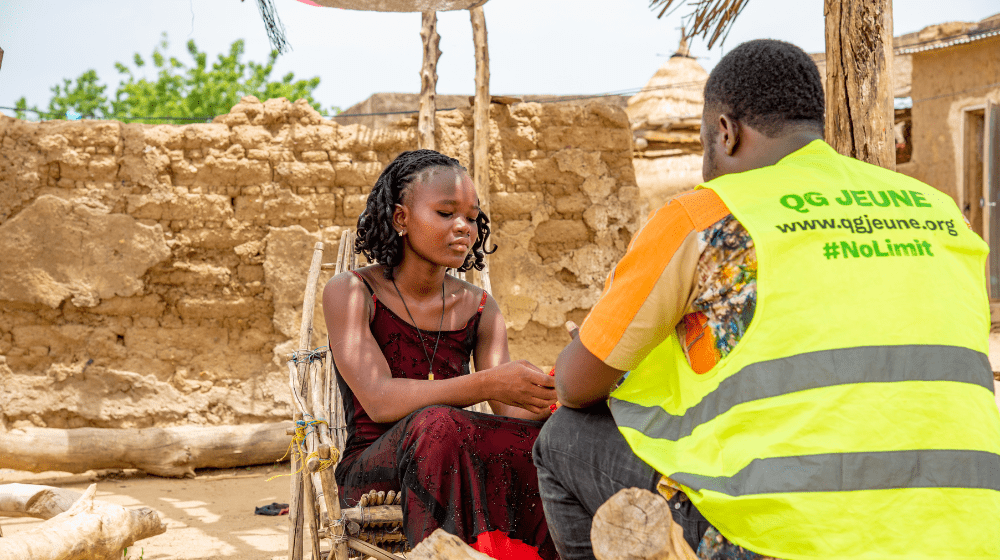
(855, 417)
(774, 378)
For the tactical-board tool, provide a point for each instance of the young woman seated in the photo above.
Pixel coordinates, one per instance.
(402, 332)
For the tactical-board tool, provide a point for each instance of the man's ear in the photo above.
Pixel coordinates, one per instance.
(731, 131)
(399, 218)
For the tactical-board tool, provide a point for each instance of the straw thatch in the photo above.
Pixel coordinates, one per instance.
(674, 92)
(713, 17)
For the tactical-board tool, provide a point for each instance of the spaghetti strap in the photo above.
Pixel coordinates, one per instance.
(482, 303)
(369, 286)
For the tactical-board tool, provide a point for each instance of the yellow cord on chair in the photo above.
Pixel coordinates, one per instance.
(295, 446)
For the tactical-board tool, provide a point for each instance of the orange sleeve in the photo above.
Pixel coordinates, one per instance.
(647, 293)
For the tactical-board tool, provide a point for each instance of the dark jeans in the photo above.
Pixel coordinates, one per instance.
(582, 461)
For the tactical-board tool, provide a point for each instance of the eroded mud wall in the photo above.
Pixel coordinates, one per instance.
(153, 275)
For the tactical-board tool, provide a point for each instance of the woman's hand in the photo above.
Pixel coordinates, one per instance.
(521, 384)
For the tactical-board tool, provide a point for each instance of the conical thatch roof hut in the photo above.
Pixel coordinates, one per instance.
(666, 123)
(675, 91)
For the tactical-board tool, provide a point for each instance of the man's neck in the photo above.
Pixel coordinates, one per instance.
(774, 150)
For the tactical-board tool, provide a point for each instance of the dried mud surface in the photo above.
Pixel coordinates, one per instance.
(153, 274)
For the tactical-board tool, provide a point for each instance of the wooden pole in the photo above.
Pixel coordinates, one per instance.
(428, 80)
(481, 111)
(296, 515)
(859, 89)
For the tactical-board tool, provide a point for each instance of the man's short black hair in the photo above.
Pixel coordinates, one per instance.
(767, 85)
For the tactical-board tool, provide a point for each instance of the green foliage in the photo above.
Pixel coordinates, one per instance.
(191, 91)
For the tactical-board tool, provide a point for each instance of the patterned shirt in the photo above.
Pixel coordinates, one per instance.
(692, 267)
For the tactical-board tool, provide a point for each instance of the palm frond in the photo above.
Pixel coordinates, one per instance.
(712, 19)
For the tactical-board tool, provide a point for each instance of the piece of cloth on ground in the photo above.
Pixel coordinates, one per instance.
(273, 508)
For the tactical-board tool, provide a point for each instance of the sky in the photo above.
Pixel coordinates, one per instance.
(535, 46)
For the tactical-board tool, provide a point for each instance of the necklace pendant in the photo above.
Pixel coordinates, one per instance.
(430, 376)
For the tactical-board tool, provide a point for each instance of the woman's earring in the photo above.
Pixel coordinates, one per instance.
(401, 233)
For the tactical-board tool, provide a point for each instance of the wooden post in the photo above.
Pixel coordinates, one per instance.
(859, 89)
(428, 80)
(296, 515)
(481, 111)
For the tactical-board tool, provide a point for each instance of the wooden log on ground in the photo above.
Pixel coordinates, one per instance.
(481, 111)
(444, 546)
(428, 81)
(170, 452)
(859, 89)
(88, 530)
(636, 524)
(32, 500)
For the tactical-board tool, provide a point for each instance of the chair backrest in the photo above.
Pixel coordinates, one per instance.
(348, 260)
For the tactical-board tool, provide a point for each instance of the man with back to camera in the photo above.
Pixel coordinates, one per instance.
(805, 338)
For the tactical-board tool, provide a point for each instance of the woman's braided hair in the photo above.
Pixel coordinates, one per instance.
(378, 240)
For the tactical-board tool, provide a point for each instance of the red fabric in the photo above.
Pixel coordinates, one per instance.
(497, 545)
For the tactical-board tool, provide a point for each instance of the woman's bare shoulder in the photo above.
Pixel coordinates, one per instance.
(347, 285)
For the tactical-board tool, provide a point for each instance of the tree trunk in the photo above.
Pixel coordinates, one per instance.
(172, 452)
(32, 500)
(859, 89)
(428, 81)
(481, 111)
(636, 524)
(88, 530)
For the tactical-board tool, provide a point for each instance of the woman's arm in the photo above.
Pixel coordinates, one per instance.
(492, 355)
(347, 309)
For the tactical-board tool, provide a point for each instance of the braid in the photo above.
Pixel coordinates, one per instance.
(378, 240)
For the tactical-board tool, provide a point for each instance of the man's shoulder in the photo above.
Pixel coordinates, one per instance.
(702, 207)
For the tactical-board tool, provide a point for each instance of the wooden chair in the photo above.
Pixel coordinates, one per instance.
(374, 526)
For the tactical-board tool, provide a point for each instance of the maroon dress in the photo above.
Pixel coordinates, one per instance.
(468, 473)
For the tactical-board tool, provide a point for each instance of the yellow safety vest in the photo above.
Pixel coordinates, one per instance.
(855, 418)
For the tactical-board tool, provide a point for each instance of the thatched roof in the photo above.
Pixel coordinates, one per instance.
(711, 18)
(398, 5)
(674, 92)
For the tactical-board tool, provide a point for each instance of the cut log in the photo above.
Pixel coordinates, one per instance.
(171, 452)
(859, 89)
(375, 515)
(481, 111)
(444, 546)
(636, 524)
(31, 500)
(88, 530)
(428, 81)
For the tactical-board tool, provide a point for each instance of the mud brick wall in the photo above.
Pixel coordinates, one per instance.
(153, 274)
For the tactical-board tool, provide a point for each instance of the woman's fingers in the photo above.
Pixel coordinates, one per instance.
(543, 380)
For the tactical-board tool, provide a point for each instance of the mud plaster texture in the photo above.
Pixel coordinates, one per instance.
(153, 274)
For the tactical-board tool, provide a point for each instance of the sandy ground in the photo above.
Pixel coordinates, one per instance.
(209, 516)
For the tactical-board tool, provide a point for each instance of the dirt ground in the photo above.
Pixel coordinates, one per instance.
(209, 516)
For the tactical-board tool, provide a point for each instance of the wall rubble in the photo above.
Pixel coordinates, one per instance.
(153, 274)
